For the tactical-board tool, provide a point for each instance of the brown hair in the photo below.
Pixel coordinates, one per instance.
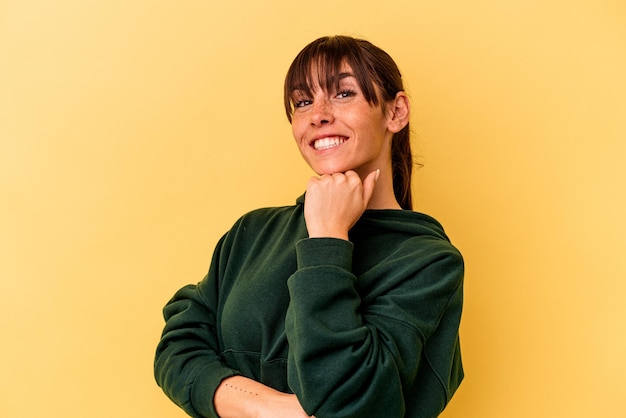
(372, 67)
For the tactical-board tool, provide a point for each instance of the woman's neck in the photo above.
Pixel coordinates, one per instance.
(383, 196)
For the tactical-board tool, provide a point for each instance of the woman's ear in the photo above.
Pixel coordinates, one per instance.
(398, 112)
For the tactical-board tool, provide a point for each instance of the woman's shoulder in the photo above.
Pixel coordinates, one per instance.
(265, 214)
(403, 222)
(410, 236)
(269, 218)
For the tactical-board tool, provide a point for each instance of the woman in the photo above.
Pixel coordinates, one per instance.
(344, 305)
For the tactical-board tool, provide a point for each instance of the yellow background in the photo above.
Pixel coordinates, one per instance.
(134, 133)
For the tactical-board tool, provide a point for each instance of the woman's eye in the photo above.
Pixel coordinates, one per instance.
(302, 103)
(345, 93)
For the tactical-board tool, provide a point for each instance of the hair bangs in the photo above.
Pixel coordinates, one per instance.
(324, 60)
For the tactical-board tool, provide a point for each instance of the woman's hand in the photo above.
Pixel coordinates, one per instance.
(241, 397)
(334, 203)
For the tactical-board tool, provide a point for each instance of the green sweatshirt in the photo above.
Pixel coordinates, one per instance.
(364, 328)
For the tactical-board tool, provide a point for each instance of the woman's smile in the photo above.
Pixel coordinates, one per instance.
(328, 142)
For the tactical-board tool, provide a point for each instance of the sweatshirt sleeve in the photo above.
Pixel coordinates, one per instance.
(354, 354)
(187, 365)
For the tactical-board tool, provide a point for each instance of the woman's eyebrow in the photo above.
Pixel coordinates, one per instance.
(304, 89)
(300, 92)
(336, 79)
(341, 76)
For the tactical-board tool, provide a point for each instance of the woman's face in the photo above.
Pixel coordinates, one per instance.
(337, 131)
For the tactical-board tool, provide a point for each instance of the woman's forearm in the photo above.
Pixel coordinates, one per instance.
(241, 397)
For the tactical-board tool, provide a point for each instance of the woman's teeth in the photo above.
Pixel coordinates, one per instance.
(326, 143)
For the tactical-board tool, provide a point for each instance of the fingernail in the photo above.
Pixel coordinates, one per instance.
(377, 173)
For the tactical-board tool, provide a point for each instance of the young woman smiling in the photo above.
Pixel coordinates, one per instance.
(346, 304)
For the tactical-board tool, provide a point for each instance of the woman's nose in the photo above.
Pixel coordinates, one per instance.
(322, 112)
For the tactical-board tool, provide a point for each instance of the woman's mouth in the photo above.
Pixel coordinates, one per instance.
(328, 142)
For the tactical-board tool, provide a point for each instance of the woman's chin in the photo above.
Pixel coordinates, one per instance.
(330, 169)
